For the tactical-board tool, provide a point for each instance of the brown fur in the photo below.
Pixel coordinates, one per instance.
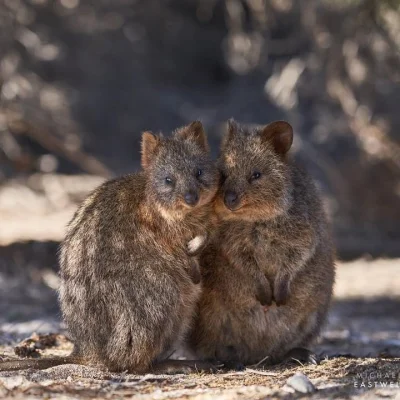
(129, 283)
(273, 244)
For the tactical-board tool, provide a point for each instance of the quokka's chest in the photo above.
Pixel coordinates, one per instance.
(268, 245)
(251, 239)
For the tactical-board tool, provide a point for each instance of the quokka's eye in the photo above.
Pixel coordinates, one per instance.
(168, 180)
(255, 175)
(199, 172)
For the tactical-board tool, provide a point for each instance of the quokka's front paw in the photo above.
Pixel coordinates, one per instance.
(194, 273)
(264, 292)
(196, 245)
(281, 290)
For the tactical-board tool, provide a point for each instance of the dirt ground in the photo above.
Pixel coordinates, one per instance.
(360, 345)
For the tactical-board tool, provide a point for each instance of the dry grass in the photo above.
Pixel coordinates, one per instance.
(338, 377)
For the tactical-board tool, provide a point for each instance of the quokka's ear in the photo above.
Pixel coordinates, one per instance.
(280, 134)
(150, 144)
(232, 129)
(194, 132)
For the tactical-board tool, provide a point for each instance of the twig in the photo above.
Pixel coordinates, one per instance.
(295, 359)
(257, 372)
(236, 373)
(260, 362)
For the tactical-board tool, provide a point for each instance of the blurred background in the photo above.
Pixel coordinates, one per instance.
(81, 79)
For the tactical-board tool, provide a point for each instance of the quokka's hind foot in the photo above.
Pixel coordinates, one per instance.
(229, 358)
(233, 366)
(170, 367)
(302, 355)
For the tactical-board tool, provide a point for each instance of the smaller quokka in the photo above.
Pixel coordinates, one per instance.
(129, 275)
(268, 275)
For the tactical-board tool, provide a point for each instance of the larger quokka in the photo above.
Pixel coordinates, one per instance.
(273, 245)
(129, 282)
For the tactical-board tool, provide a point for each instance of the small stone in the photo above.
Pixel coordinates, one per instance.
(300, 383)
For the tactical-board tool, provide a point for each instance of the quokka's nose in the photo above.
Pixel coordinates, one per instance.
(191, 198)
(231, 199)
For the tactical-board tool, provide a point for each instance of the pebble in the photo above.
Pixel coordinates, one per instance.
(300, 383)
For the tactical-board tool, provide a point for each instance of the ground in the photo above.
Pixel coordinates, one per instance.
(360, 344)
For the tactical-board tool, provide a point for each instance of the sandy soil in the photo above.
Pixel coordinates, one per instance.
(360, 344)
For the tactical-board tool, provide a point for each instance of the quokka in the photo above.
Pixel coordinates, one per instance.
(269, 273)
(128, 267)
